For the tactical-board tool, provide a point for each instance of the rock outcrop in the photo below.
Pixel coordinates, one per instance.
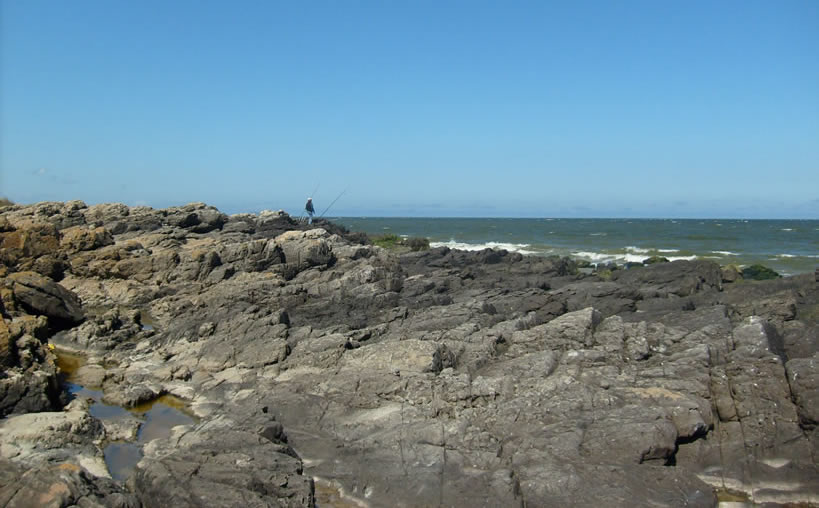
(430, 378)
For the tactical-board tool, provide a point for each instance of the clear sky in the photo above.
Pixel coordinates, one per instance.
(417, 107)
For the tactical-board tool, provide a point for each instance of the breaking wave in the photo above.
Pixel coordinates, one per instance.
(511, 247)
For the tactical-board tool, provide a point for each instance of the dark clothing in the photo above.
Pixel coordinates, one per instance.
(310, 211)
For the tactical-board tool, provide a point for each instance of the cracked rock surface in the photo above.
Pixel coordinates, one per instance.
(435, 378)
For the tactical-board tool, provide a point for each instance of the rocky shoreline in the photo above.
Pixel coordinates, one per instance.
(428, 378)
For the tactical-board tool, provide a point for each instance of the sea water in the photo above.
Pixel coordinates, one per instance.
(788, 246)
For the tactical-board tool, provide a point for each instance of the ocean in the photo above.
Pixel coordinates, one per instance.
(788, 246)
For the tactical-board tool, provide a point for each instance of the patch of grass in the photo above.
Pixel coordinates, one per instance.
(394, 242)
(388, 241)
(759, 272)
(604, 274)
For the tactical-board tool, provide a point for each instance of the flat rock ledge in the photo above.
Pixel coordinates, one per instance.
(430, 378)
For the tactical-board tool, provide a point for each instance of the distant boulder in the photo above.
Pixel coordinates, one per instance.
(730, 273)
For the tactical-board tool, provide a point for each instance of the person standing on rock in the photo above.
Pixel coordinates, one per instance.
(310, 210)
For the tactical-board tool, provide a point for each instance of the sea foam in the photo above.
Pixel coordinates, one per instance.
(601, 257)
(512, 247)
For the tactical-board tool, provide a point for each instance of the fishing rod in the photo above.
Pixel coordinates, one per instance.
(331, 204)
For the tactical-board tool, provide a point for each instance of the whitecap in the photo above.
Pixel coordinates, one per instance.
(597, 257)
(637, 250)
(512, 247)
(724, 252)
(598, 234)
(785, 256)
(668, 250)
(634, 258)
(686, 258)
(786, 229)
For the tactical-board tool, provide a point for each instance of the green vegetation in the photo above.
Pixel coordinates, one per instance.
(604, 274)
(395, 242)
(758, 272)
(655, 259)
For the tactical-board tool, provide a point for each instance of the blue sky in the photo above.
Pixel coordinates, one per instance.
(428, 108)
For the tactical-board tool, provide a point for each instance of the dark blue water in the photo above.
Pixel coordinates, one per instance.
(787, 246)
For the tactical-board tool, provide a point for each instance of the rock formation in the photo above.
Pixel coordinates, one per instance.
(429, 378)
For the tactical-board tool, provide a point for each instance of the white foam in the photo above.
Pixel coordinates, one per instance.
(786, 229)
(678, 258)
(724, 253)
(634, 258)
(598, 234)
(638, 250)
(668, 250)
(512, 247)
(598, 257)
(595, 256)
(785, 256)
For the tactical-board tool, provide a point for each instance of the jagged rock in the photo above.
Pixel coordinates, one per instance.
(41, 295)
(305, 249)
(228, 467)
(429, 378)
(58, 486)
(28, 242)
(803, 377)
(33, 438)
(81, 238)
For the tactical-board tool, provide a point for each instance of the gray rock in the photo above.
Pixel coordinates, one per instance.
(41, 295)
(226, 467)
(437, 377)
(59, 485)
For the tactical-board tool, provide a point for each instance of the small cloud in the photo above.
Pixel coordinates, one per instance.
(40, 171)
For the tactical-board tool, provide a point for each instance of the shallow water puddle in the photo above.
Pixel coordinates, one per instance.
(161, 418)
(146, 320)
(158, 417)
(121, 459)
